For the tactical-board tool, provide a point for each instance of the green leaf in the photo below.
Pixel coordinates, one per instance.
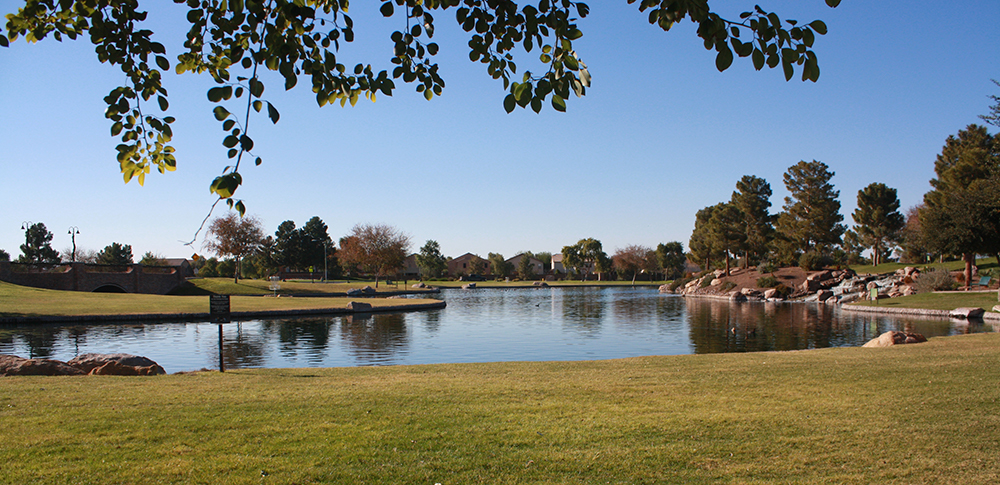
(215, 94)
(724, 59)
(230, 141)
(387, 9)
(116, 128)
(509, 103)
(558, 103)
(272, 113)
(163, 103)
(162, 62)
(220, 113)
(758, 59)
(832, 3)
(246, 143)
(818, 25)
(242, 209)
(228, 124)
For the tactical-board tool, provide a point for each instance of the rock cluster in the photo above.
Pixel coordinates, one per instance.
(85, 364)
(368, 290)
(826, 286)
(891, 338)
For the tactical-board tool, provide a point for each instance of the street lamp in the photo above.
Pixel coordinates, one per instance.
(25, 225)
(73, 231)
(324, 242)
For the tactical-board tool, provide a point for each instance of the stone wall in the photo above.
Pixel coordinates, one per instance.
(89, 277)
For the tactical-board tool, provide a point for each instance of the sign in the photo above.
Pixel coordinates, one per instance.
(219, 308)
(874, 294)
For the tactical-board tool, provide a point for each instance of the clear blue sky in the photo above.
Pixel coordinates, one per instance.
(660, 134)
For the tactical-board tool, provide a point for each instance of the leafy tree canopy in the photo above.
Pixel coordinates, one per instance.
(377, 249)
(234, 236)
(234, 42)
(4, 255)
(671, 258)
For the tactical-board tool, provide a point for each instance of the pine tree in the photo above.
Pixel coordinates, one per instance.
(879, 223)
(752, 199)
(811, 217)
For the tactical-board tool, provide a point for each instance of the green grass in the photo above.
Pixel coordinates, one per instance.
(226, 286)
(24, 301)
(983, 263)
(488, 284)
(923, 413)
(939, 301)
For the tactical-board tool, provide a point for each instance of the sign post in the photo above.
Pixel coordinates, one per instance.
(219, 313)
(874, 295)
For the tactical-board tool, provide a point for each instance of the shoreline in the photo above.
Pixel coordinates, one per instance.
(189, 317)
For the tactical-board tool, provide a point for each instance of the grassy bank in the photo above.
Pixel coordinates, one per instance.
(982, 263)
(939, 301)
(489, 284)
(22, 301)
(912, 414)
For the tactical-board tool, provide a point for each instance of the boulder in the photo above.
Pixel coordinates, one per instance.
(810, 286)
(823, 295)
(996, 308)
(888, 339)
(542, 284)
(819, 276)
(88, 362)
(469, 286)
(967, 312)
(419, 285)
(359, 306)
(737, 296)
(12, 365)
(715, 282)
(665, 289)
(114, 368)
(770, 293)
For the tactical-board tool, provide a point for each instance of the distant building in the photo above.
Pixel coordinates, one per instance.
(536, 264)
(557, 264)
(460, 266)
(410, 268)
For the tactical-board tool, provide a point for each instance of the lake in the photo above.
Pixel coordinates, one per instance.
(484, 325)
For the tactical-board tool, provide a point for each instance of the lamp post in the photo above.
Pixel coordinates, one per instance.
(25, 225)
(73, 231)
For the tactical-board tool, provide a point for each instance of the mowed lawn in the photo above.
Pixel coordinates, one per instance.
(18, 301)
(925, 413)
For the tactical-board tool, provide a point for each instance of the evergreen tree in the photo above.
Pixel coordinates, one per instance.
(37, 247)
(671, 258)
(115, 254)
(525, 270)
(753, 200)
(701, 244)
(958, 213)
(811, 217)
(726, 230)
(499, 267)
(4, 255)
(431, 262)
(879, 223)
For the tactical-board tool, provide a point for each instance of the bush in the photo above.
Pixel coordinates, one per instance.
(706, 281)
(813, 261)
(679, 283)
(935, 279)
(728, 286)
(767, 282)
(767, 267)
(782, 291)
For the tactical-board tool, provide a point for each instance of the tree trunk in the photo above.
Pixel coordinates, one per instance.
(236, 271)
(968, 257)
(727, 263)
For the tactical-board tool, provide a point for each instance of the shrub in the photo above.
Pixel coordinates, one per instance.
(728, 286)
(706, 281)
(782, 291)
(935, 279)
(767, 267)
(767, 282)
(679, 283)
(813, 260)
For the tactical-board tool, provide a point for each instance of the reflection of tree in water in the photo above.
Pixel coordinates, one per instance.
(374, 339)
(582, 310)
(721, 326)
(39, 341)
(242, 349)
(431, 320)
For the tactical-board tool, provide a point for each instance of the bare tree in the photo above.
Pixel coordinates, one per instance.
(377, 249)
(234, 236)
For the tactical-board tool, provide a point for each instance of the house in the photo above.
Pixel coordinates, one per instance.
(410, 268)
(182, 265)
(537, 266)
(557, 264)
(460, 266)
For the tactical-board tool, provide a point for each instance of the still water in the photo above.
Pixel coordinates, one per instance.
(484, 325)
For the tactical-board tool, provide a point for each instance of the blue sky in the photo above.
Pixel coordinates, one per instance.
(660, 134)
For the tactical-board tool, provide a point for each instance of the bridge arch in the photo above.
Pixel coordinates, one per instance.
(109, 288)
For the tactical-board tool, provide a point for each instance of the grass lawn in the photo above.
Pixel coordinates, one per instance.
(923, 413)
(226, 286)
(24, 301)
(488, 284)
(982, 263)
(939, 301)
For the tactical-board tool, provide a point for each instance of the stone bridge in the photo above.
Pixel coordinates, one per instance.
(134, 278)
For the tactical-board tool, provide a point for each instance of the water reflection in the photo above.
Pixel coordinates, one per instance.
(484, 325)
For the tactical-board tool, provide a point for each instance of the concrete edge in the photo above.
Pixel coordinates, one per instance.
(922, 312)
(188, 317)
